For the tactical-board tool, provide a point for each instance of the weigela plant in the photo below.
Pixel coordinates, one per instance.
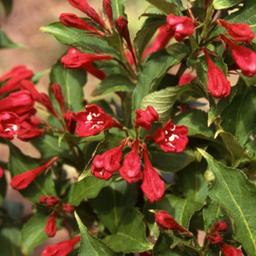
(160, 159)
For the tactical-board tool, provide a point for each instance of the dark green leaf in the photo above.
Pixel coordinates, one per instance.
(166, 6)
(6, 42)
(211, 214)
(237, 196)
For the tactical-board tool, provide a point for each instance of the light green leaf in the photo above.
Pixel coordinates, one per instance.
(6, 42)
(89, 245)
(211, 214)
(237, 196)
(118, 7)
(225, 4)
(131, 235)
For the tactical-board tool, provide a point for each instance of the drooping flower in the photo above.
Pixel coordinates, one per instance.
(131, 169)
(229, 250)
(183, 26)
(172, 138)
(152, 185)
(238, 31)
(106, 164)
(72, 20)
(145, 118)
(92, 121)
(23, 180)
(28, 130)
(9, 125)
(218, 84)
(62, 248)
(166, 221)
(49, 201)
(108, 11)
(186, 78)
(51, 227)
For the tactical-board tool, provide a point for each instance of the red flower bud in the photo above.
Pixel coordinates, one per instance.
(145, 118)
(70, 120)
(49, 201)
(92, 121)
(239, 31)
(218, 84)
(18, 102)
(29, 86)
(183, 26)
(131, 169)
(220, 226)
(215, 238)
(152, 185)
(50, 227)
(172, 138)
(9, 125)
(83, 6)
(1, 172)
(108, 11)
(72, 20)
(57, 92)
(62, 248)
(104, 165)
(68, 208)
(166, 221)
(186, 78)
(229, 250)
(23, 180)
(28, 131)
(164, 34)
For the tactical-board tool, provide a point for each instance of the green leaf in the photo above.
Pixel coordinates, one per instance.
(79, 38)
(6, 42)
(112, 84)
(72, 82)
(211, 214)
(118, 7)
(237, 196)
(42, 185)
(163, 100)
(194, 191)
(33, 233)
(89, 245)
(87, 188)
(154, 69)
(225, 4)
(113, 202)
(165, 6)
(131, 235)
(168, 162)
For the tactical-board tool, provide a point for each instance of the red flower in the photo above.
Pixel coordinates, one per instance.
(215, 238)
(183, 26)
(165, 33)
(108, 11)
(57, 92)
(72, 20)
(172, 138)
(131, 169)
(92, 121)
(220, 226)
(218, 84)
(229, 250)
(62, 248)
(238, 31)
(152, 185)
(1, 172)
(70, 120)
(50, 227)
(166, 221)
(49, 201)
(9, 125)
(28, 131)
(68, 208)
(145, 118)
(23, 180)
(18, 102)
(83, 6)
(104, 165)
(46, 102)
(76, 59)
(186, 78)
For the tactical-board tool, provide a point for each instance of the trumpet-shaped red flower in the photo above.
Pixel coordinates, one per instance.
(23, 180)
(215, 238)
(166, 221)
(104, 165)
(182, 26)
(229, 250)
(76, 59)
(49, 201)
(28, 131)
(108, 11)
(72, 20)
(218, 84)
(68, 208)
(9, 125)
(83, 6)
(92, 121)
(152, 185)
(62, 248)
(131, 169)
(164, 34)
(172, 138)
(50, 227)
(238, 31)
(186, 78)
(145, 118)
(220, 226)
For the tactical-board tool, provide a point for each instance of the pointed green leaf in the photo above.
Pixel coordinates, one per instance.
(224, 4)
(118, 7)
(6, 42)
